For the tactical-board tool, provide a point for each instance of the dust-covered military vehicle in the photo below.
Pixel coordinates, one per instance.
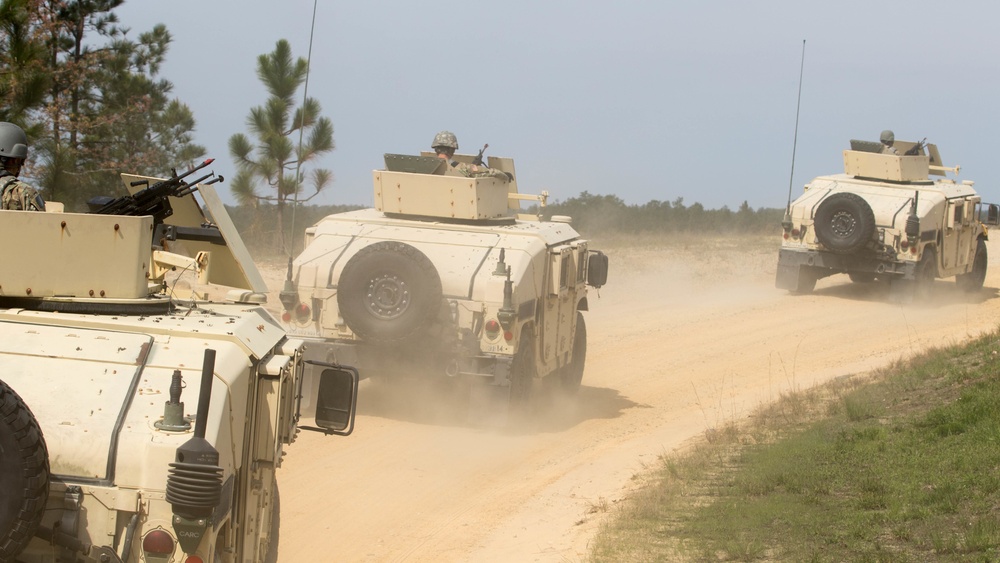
(104, 364)
(885, 218)
(445, 277)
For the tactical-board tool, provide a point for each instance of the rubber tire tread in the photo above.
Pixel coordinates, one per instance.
(974, 280)
(24, 473)
(863, 215)
(405, 261)
(274, 534)
(571, 375)
(522, 369)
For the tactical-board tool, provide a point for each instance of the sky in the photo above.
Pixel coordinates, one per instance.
(643, 100)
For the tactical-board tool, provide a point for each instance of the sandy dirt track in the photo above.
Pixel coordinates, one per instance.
(681, 339)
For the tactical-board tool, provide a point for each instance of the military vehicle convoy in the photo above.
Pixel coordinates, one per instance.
(139, 422)
(446, 278)
(886, 219)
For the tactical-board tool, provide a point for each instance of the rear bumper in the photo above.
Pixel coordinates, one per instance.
(391, 362)
(823, 264)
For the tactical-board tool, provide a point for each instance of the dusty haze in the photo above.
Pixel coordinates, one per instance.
(683, 338)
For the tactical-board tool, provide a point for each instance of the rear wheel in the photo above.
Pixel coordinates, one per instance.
(24, 473)
(973, 281)
(925, 274)
(522, 369)
(806, 281)
(571, 375)
(273, 535)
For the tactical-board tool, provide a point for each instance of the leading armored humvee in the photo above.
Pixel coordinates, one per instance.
(885, 218)
(100, 459)
(445, 278)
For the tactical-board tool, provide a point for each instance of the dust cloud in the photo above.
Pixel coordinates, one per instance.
(688, 334)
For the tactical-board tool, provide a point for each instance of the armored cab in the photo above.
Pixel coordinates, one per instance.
(138, 421)
(886, 218)
(445, 277)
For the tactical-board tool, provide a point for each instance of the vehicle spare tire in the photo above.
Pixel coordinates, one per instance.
(24, 474)
(388, 292)
(844, 223)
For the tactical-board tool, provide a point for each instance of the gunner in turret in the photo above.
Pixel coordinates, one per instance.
(15, 194)
(446, 143)
(888, 139)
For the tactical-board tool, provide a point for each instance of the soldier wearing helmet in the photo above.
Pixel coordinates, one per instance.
(888, 138)
(446, 143)
(15, 194)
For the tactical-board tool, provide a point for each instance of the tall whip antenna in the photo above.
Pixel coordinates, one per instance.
(302, 127)
(289, 287)
(786, 222)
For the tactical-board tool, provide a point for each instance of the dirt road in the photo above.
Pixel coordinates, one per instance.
(681, 340)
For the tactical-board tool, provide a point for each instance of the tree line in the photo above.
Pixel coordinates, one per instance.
(89, 94)
(592, 215)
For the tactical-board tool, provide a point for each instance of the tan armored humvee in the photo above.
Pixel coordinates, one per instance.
(445, 277)
(138, 424)
(886, 218)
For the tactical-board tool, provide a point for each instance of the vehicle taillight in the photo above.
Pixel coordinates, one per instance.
(904, 244)
(795, 233)
(508, 336)
(302, 312)
(158, 542)
(492, 329)
(286, 317)
(193, 559)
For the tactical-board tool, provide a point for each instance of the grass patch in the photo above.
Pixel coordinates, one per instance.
(898, 465)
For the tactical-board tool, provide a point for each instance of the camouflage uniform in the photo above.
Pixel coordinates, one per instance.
(17, 195)
(475, 171)
(445, 140)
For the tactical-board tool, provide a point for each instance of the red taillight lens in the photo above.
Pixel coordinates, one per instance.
(302, 312)
(904, 244)
(158, 541)
(784, 235)
(795, 233)
(193, 559)
(286, 317)
(508, 336)
(492, 328)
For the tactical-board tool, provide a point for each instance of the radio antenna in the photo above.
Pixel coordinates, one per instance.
(302, 127)
(289, 287)
(786, 222)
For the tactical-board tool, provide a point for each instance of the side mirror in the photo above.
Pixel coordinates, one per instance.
(336, 404)
(597, 269)
(992, 214)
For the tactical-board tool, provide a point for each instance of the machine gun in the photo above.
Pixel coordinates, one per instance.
(153, 200)
(917, 148)
(478, 161)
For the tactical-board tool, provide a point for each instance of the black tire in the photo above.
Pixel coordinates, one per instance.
(388, 292)
(844, 223)
(973, 281)
(925, 274)
(806, 281)
(571, 375)
(24, 474)
(522, 369)
(274, 534)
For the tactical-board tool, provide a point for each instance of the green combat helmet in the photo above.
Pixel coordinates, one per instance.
(887, 138)
(445, 139)
(13, 141)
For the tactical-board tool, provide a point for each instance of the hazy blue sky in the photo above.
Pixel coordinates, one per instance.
(646, 100)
